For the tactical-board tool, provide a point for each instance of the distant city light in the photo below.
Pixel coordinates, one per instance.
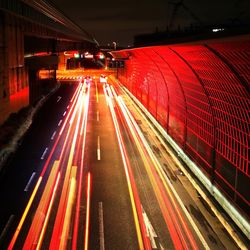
(217, 29)
(88, 55)
(76, 55)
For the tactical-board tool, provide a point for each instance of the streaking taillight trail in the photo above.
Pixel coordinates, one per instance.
(38, 227)
(178, 229)
(143, 240)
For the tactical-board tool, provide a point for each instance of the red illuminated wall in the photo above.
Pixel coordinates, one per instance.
(14, 90)
(200, 95)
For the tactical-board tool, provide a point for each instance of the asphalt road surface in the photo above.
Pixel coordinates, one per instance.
(91, 174)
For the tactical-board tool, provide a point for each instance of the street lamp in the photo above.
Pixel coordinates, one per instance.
(114, 43)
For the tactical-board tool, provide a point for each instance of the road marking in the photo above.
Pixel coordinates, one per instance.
(98, 149)
(97, 116)
(59, 98)
(59, 123)
(29, 182)
(52, 137)
(64, 113)
(101, 226)
(96, 91)
(150, 230)
(7, 226)
(44, 153)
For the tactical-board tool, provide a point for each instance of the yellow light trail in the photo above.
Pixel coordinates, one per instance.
(129, 118)
(14, 238)
(39, 244)
(86, 238)
(54, 244)
(38, 220)
(69, 207)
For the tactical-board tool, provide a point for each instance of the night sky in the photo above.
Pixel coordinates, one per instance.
(120, 20)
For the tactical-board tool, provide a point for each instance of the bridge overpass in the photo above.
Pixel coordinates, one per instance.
(27, 28)
(196, 100)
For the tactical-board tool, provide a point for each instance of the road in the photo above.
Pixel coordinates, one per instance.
(92, 174)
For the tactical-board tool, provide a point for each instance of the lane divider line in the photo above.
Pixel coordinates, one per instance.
(101, 226)
(96, 92)
(7, 226)
(98, 148)
(53, 136)
(44, 153)
(97, 116)
(29, 182)
(59, 98)
(59, 123)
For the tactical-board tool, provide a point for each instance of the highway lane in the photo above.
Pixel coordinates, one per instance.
(192, 210)
(106, 181)
(110, 208)
(22, 172)
(50, 217)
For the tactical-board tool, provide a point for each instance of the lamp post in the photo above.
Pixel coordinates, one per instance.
(114, 43)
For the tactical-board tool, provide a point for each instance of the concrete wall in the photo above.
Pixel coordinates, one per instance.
(14, 92)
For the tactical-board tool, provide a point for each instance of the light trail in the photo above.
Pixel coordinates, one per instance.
(39, 244)
(69, 207)
(75, 110)
(86, 105)
(77, 90)
(76, 94)
(197, 172)
(79, 193)
(174, 229)
(105, 93)
(41, 211)
(14, 238)
(143, 240)
(86, 237)
(55, 240)
(159, 170)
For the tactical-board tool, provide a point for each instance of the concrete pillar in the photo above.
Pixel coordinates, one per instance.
(13, 80)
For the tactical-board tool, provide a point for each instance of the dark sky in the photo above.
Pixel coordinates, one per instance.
(120, 20)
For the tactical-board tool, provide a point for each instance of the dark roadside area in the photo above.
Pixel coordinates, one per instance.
(13, 130)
